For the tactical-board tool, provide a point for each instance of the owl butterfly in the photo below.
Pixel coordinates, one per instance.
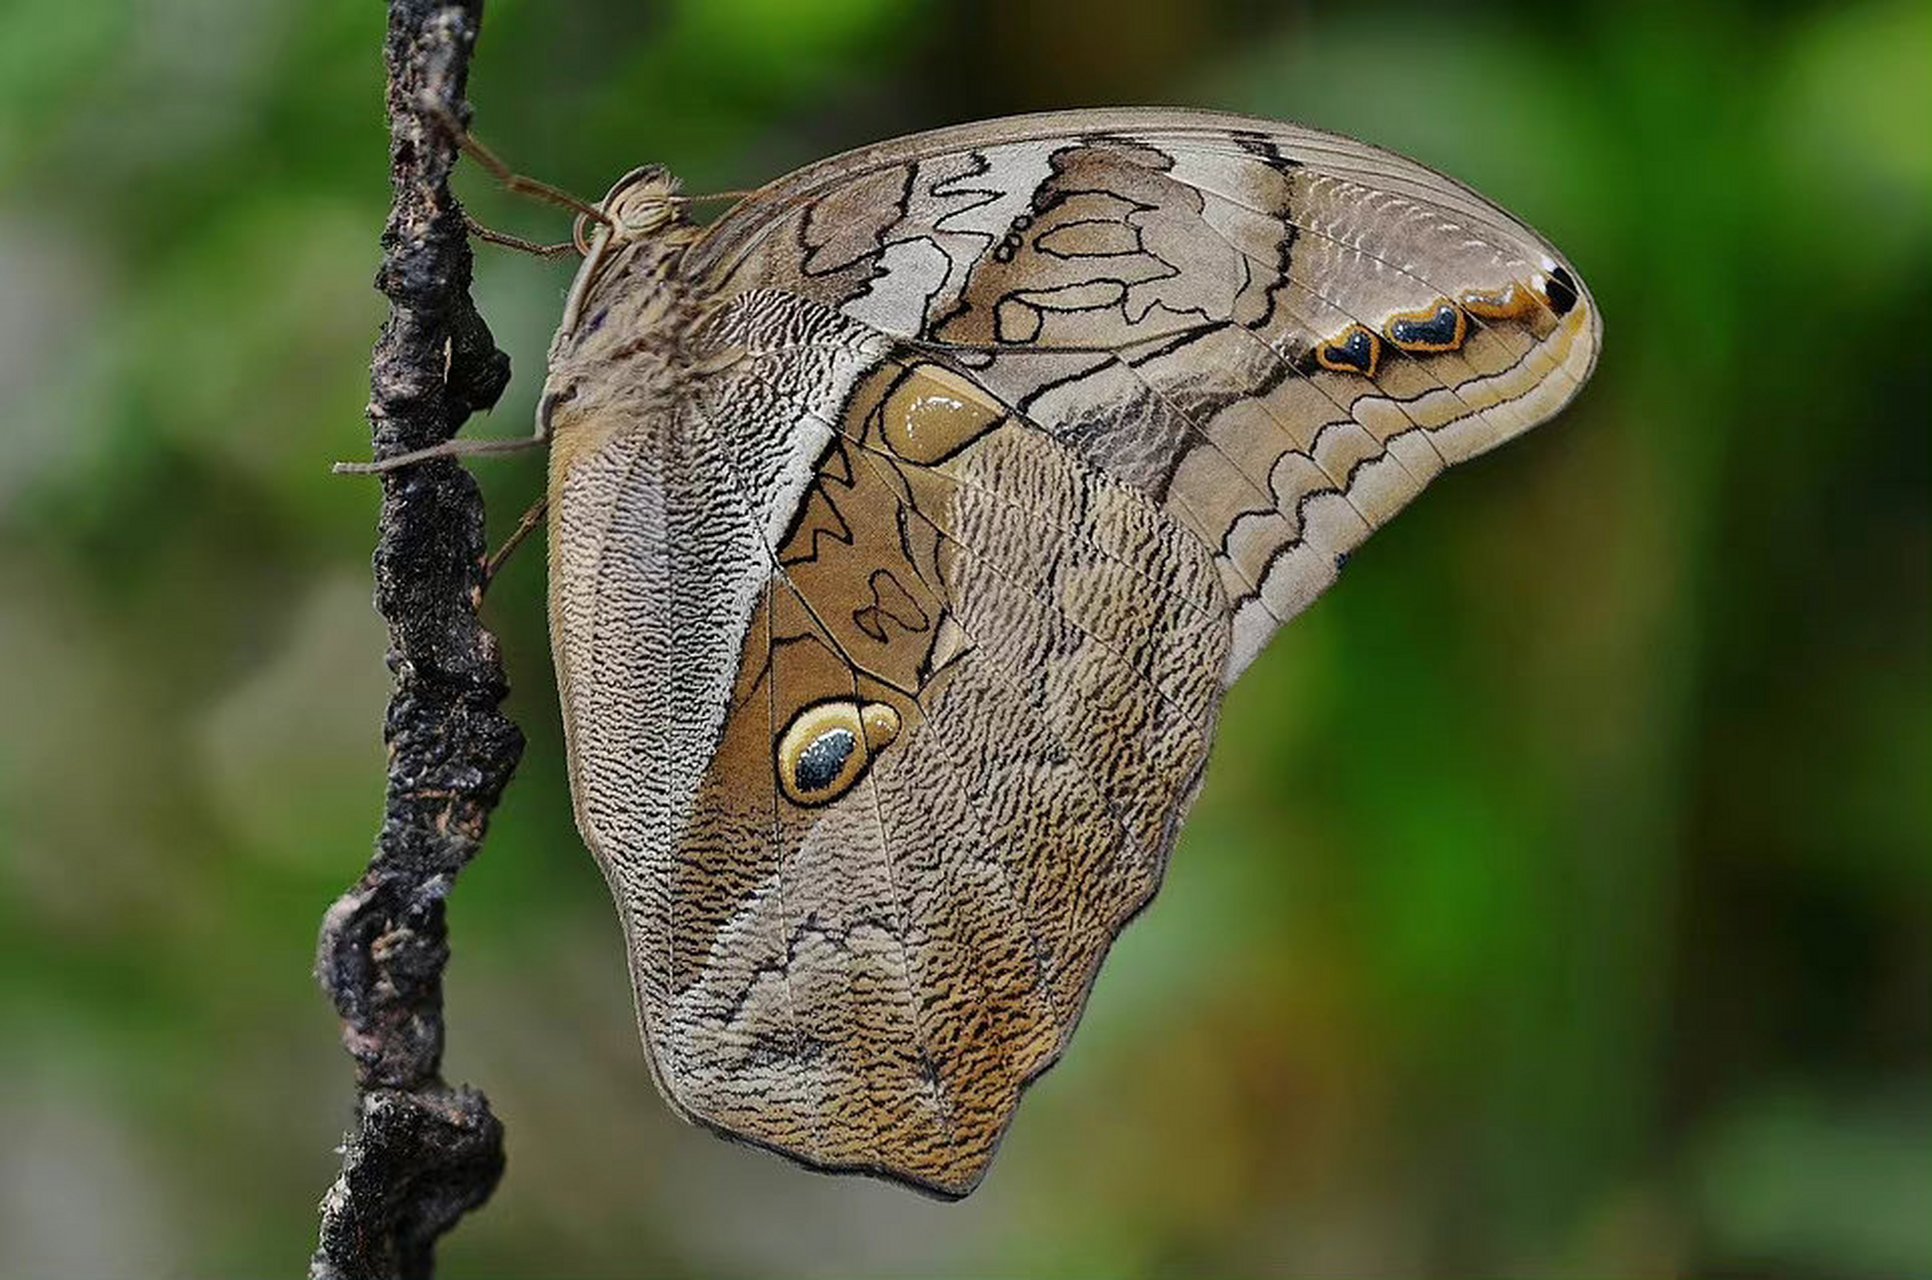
(907, 525)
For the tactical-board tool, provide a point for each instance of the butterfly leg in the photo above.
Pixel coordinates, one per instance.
(447, 449)
(531, 519)
(439, 111)
(518, 243)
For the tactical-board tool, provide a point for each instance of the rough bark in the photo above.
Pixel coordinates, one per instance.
(420, 1152)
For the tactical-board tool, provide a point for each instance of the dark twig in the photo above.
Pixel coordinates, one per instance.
(420, 1153)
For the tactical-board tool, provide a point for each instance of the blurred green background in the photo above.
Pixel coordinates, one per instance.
(1560, 900)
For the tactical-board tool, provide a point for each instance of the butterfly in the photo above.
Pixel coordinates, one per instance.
(907, 525)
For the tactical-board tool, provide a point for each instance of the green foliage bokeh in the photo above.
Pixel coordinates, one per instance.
(1560, 898)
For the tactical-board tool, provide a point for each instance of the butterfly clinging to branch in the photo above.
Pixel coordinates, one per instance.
(907, 525)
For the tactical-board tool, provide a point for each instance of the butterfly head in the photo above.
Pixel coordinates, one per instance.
(644, 202)
(637, 231)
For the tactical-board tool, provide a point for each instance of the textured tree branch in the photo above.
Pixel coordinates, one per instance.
(421, 1153)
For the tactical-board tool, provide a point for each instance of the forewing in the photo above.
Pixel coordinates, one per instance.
(1279, 335)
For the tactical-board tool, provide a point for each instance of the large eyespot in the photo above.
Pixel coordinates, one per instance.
(827, 747)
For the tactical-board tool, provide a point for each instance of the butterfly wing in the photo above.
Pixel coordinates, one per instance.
(876, 768)
(1281, 335)
(891, 647)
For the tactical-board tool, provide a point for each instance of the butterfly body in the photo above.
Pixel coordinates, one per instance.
(908, 525)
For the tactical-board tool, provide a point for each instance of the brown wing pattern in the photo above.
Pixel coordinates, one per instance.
(907, 529)
(1279, 334)
(1043, 706)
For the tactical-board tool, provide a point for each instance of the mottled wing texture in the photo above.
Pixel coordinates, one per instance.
(893, 610)
(1278, 334)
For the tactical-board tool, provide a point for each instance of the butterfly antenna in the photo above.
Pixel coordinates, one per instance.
(511, 180)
